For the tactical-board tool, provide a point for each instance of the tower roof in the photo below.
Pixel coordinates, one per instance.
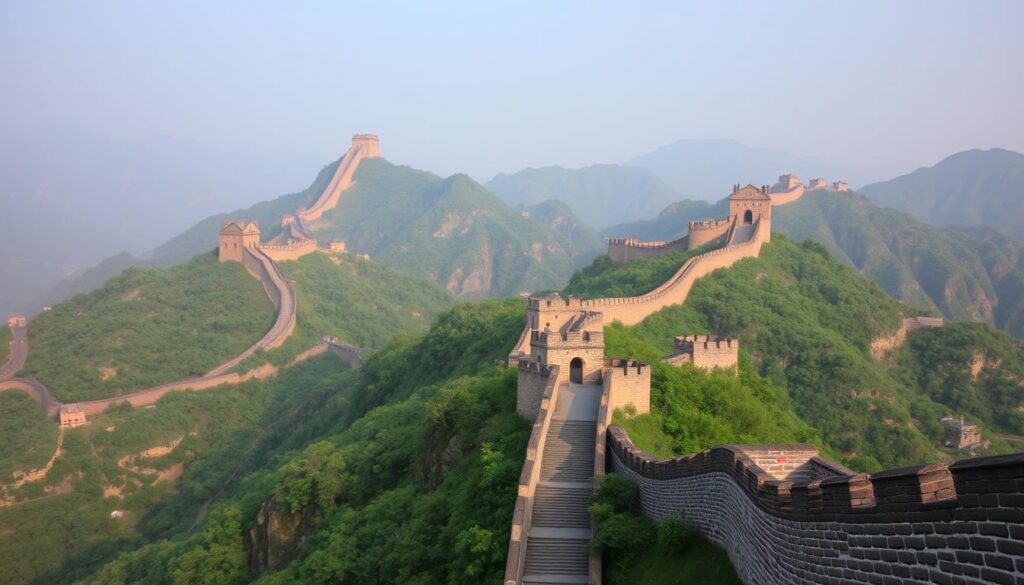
(748, 193)
(239, 228)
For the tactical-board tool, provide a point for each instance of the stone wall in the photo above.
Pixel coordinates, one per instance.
(930, 524)
(786, 197)
(885, 343)
(629, 249)
(627, 382)
(363, 146)
(632, 310)
(708, 230)
(529, 477)
(292, 251)
(531, 382)
(707, 352)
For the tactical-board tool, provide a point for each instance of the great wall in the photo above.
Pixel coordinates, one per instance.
(782, 513)
(239, 242)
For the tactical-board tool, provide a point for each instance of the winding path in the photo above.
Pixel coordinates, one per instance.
(279, 291)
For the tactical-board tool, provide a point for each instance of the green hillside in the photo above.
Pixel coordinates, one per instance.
(147, 327)
(963, 273)
(405, 470)
(359, 302)
(973, 275)
(451, 231)
(805, 321)
(602, 195)
(150, 326)
(970, 188)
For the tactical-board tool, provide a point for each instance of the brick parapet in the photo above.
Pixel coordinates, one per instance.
(923, 524)
(529, 476)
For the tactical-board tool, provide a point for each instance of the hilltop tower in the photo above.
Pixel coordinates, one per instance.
(749, 204)
(235, 236)
(369, 143)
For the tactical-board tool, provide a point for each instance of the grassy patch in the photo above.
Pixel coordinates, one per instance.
(147, 327)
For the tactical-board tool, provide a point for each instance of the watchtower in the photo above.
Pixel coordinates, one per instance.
(235, 237)
(369, 143)
(749, 204)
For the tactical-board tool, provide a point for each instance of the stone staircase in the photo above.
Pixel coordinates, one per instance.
(560, 525)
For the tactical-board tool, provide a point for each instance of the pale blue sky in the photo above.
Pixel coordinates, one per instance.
(483, 87)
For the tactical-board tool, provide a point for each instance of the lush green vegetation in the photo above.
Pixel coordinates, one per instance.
(61, 527)
(966, 274)
(5, 344)
(452, 231)
(605, 278)
(27, 437)
(360, 302)
(405, 471)
(147, 327)
(971, 369)
(806, 322)
(641, 551)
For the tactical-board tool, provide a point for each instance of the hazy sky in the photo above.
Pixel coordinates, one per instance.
(483, 87)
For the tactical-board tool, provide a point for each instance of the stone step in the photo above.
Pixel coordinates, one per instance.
(569, 451)
(561, 507)
(555, 556)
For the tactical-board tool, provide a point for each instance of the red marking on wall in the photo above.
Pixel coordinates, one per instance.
(782, 459)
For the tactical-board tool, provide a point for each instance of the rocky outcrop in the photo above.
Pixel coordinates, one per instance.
(278, 535)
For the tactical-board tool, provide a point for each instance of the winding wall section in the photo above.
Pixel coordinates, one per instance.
(279, 291)
(812, 521)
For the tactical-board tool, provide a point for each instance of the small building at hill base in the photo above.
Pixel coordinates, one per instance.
(71, 415)
(706, 351)
(16, 321)
(960, 434)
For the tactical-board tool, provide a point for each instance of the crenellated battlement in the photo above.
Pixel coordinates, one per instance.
(706, 351)
(799, 510)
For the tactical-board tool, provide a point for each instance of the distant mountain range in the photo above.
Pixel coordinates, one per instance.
(972, 188)
(601, 195)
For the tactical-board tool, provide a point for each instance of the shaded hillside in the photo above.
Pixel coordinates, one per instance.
(582, 242)
(698, 169)
(806, 321)
(600, 195)
(451, 231)
(974, 187)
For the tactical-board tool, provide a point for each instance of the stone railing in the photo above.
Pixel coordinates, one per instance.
(529, 477)
(808, 520)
